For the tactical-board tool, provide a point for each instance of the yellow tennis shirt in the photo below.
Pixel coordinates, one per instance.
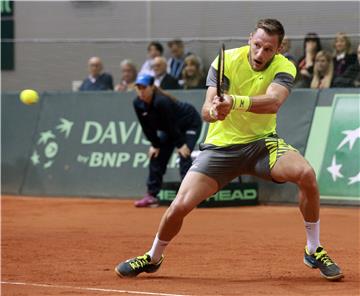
(244, 127)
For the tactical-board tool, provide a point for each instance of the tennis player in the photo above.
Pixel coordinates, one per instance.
(242, 139)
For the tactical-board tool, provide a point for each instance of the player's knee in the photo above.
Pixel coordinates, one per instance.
(307, 176)
(178, 209)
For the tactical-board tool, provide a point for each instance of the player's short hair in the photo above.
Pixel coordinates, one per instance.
(272, 27)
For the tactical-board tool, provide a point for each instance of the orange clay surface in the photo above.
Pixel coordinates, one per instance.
(66, 246)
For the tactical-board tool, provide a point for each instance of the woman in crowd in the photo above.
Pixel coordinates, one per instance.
(323, 70)
(343, 56)
(154, 49)
(312, 45)
(192, 74)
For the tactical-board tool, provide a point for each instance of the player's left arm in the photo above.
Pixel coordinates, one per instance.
(271, 101)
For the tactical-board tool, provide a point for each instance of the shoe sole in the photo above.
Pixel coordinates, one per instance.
(124, 276)
(148, 206)
(118, 273)
(330, 278)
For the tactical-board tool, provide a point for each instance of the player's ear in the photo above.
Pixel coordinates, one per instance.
(250, 37)
(279, 49)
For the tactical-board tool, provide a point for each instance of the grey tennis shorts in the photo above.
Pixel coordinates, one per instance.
(224, 164)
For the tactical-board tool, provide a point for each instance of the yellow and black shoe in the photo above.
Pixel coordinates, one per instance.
(134, 266)
(320, 259)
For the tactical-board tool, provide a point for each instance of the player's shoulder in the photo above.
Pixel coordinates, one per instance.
(238, 52)
(283, 64)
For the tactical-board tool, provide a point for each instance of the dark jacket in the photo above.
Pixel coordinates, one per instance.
(169, 82)
(349, 77)
(164, 114)
(103, 82)
(340, 66)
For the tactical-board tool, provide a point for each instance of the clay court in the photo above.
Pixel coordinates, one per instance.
(63, 246)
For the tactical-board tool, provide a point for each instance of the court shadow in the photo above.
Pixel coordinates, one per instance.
(276, 279)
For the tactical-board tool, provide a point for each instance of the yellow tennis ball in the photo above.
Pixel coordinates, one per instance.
(29, 96)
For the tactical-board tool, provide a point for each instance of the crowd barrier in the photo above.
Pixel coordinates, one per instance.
(91, 144)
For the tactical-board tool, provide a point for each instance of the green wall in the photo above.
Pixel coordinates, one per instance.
(90, 144)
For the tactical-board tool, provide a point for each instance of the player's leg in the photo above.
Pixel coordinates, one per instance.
(195, 188)
(191, 137)
(292, 167)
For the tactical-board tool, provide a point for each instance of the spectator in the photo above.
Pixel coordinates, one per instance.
(97, 80)
(167, 123)
(176, 62)
(323, 70)
(312, 46)
(351, 76)
(192, 74)
(285, 47)
(155, 49)
(128, 76)
(163, 79)
(343, 57)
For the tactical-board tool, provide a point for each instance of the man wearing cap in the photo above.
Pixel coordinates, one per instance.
(167, 123)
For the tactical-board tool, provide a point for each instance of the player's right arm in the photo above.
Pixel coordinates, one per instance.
(210, 110)
(208, 105)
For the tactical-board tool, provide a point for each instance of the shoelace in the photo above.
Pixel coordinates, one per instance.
(139, 262)
(324, 258)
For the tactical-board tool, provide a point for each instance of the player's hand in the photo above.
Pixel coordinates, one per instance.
(222, 106)
(153, 152)
(184, 151)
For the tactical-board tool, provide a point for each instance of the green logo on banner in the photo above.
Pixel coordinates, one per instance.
(340, 173)
(47, 146)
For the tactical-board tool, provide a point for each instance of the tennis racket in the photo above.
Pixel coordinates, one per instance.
(220, 73)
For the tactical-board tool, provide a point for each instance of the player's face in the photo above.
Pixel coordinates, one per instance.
(145, 93)
(263, 47)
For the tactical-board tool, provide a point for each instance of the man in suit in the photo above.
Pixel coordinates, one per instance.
(162, 78)
(176, 63)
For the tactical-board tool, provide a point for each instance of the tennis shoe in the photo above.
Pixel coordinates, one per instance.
(134, 266)
(148, 201)
(320, 259)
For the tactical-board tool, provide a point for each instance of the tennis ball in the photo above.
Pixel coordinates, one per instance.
(29, 96)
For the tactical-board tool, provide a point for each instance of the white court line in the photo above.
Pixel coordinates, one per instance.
(88, 289)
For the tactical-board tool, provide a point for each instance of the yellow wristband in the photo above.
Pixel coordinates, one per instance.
(211, 113)
(242, 103)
